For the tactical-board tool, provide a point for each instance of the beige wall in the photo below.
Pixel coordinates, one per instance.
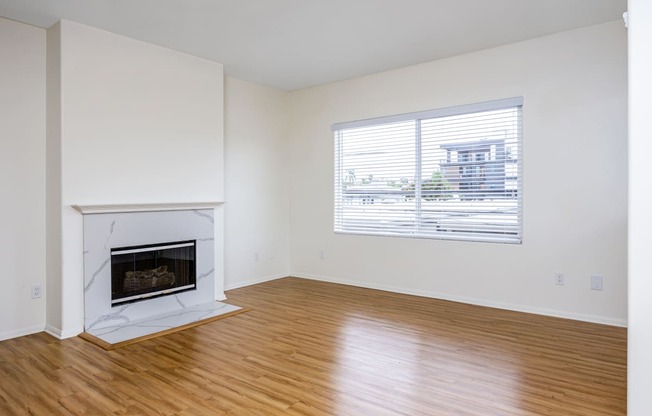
(22, 178)
(639, 373)
(257, 209)
(574, 85)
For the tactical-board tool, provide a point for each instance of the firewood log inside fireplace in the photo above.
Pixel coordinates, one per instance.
(148, 279)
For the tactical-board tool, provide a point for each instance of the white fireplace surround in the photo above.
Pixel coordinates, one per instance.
(110, 226)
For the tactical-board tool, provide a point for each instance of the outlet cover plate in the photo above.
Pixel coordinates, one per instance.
(559, 278)
(36, 291)
(596, 282)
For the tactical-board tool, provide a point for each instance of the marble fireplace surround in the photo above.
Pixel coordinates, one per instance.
(109, 226)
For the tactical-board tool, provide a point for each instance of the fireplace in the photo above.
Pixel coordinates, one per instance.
(112, 229)
(152, 270)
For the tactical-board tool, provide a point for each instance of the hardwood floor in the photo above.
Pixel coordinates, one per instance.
(313, 348)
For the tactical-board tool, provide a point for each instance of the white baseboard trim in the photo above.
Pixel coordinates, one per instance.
(472, 301)
(251, 282)
(57, 333)
(21, 332)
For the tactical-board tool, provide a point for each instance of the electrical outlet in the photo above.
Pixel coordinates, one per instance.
(559, 278)
(36, 291)
(256, 256)
(322, 255)
(596, 282)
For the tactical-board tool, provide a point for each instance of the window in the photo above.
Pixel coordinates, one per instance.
(452, 173)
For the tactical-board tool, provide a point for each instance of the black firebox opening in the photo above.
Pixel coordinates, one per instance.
(152, 270)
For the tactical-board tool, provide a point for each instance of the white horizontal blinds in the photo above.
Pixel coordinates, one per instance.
(451, 174)
(470, 180)
(374, 164)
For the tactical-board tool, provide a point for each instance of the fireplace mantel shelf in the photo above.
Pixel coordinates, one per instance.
(117, 208)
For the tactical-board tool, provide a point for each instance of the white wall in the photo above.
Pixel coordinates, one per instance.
(139, 124)
(639, 366)
(53, 205)
(257, 209)
(22, 177)
(120, 94)
(575, 178)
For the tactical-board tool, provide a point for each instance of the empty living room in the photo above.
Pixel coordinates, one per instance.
(368, 207)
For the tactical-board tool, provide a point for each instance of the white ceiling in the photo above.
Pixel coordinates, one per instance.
(292, 44)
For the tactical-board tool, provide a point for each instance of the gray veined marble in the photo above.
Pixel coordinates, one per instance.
(114, 318)
(205, 275)
(89, 283)
(116, 333)
(202, 214)
(104, 231)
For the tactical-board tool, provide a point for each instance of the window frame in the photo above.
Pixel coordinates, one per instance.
(515, 236)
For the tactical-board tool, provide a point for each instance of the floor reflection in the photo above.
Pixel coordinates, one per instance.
(387, 367)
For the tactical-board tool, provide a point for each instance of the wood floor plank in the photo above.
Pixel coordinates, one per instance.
(312, 348)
